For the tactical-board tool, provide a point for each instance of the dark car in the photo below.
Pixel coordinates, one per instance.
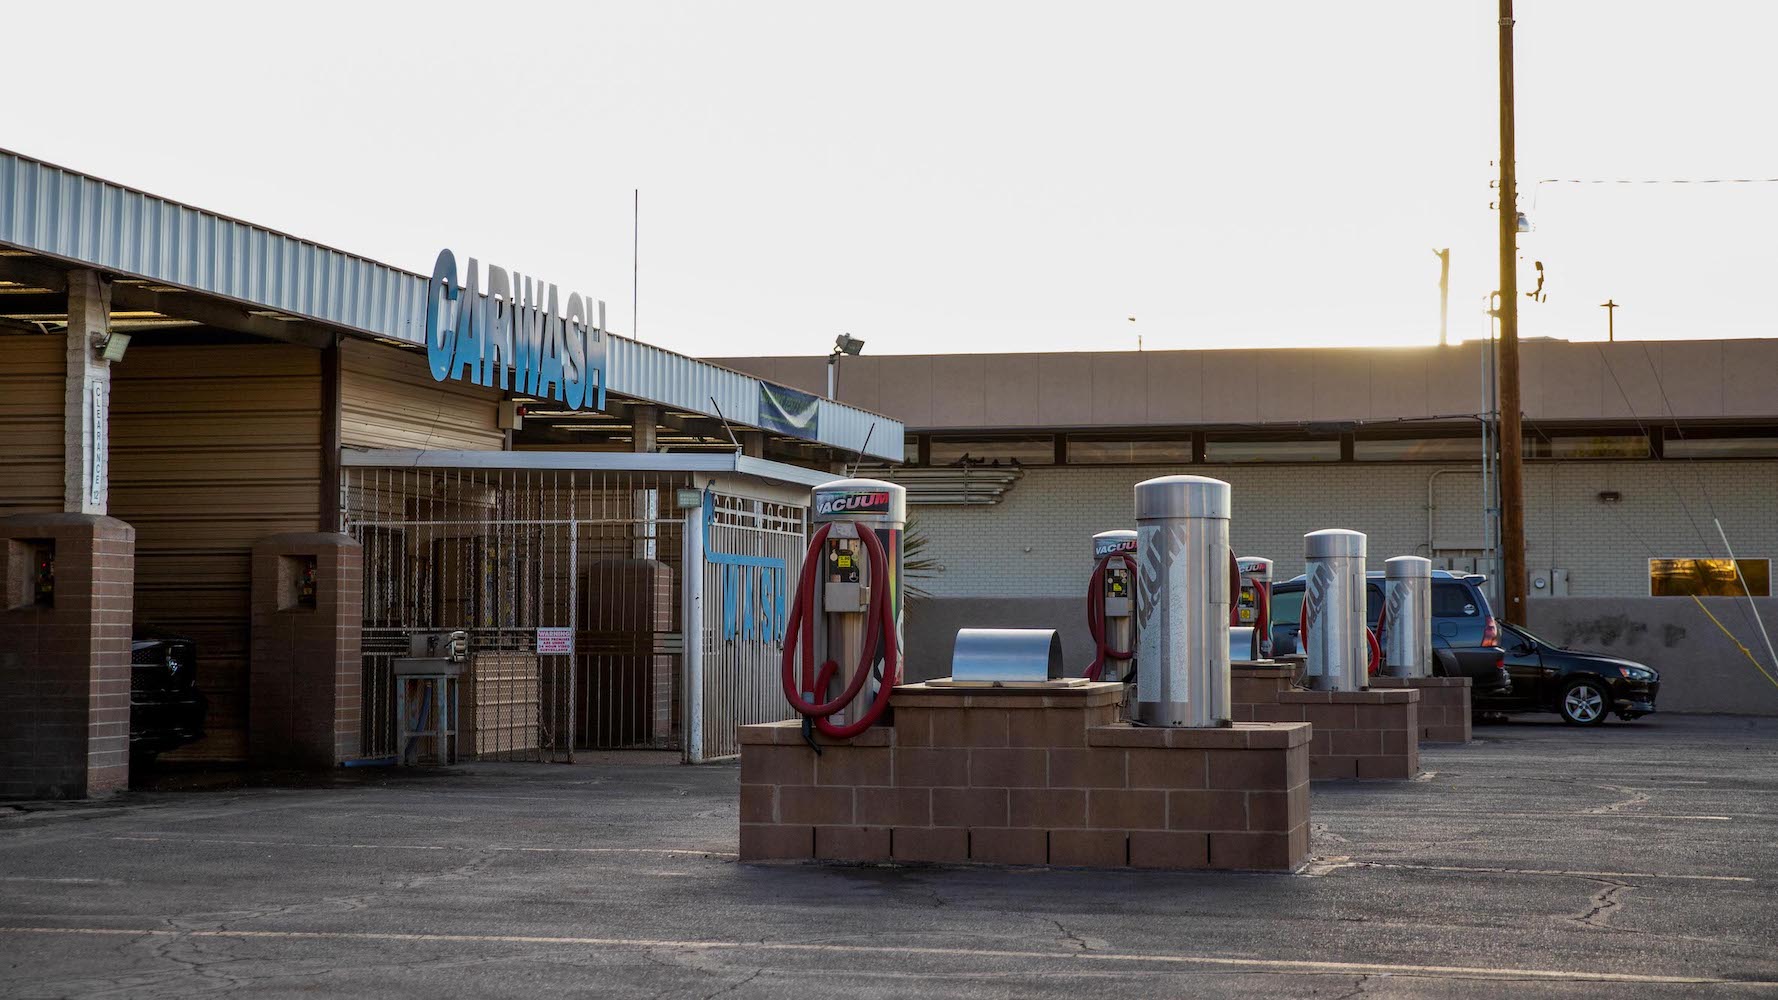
(1581, 687)
(1465, 636)
(166, 708)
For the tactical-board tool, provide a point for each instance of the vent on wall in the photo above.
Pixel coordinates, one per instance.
(956, 486)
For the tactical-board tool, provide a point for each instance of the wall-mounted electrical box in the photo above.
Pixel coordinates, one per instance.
(30, 574)
(1549, 583)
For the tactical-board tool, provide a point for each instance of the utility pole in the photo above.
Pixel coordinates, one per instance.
(1512, 438)
(1444, 295)
(1610, 307)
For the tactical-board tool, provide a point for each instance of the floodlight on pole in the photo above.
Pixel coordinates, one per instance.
(844, 344)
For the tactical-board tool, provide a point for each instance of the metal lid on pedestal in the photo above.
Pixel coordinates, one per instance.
(855, 499)
(1182, 496)
(1329, 543)
(1407, 568)
(1119, 540)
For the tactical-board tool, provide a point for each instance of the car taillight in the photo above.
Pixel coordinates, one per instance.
(1490, 632)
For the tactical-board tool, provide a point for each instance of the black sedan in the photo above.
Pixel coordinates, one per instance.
(1583, 688)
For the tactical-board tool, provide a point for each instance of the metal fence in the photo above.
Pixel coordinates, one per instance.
(753, 551)
(502, 554)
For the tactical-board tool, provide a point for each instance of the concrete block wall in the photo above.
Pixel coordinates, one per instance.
(1023, 779)
(1445, 714)
(65, 668)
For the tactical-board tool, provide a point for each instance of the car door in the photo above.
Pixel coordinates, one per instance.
(1524, 664)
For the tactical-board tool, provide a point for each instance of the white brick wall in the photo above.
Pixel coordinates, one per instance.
(1036, 543)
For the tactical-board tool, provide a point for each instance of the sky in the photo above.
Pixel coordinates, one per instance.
(960, 177)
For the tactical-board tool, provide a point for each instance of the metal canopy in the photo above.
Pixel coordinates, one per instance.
(599, 461)
(88, 222)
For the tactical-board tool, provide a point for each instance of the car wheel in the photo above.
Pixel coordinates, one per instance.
(1584, 703)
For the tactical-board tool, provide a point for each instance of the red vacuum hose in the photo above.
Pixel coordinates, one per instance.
(1096, 614)
(879, 630)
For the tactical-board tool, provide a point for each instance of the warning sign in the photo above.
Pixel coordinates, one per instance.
(555, 641)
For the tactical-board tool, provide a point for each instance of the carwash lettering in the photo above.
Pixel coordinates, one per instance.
(873, 502)
(508, 331)
(1315, 595)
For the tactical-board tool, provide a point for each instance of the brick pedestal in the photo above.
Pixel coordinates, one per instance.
(303, 686)
(1029, 777)
(65, 655)
(1445, 713)
(1358, 734)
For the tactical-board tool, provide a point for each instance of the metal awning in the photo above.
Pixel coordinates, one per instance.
(88, 222)
(597, 461)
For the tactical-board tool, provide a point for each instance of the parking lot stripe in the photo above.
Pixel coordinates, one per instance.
(1205, 961)
(1324, 865)
(670, 851)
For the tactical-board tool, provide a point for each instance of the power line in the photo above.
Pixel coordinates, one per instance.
(1658, 180)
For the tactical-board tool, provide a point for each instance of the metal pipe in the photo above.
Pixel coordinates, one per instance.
(691, 576)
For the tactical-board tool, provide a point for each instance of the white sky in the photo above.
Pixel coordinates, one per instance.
(939, 177)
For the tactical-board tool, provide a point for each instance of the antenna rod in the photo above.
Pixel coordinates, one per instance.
(731, 431)
(635, 266)
(860, 452)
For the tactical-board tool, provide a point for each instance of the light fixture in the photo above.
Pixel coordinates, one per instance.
(1610, 496)
(111, 346)
(1524, 223)
(688, 499)
(845, 343)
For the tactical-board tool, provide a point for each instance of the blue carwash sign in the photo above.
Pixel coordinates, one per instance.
(515, 332)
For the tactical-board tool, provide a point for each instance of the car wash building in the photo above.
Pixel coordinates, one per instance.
(315, 469)
(1634, 452)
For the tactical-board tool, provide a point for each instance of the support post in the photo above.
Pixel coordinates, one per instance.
(86, 404)
(692, 629)
(1512, 438)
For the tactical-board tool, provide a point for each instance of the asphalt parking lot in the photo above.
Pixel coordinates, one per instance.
(1632, 861)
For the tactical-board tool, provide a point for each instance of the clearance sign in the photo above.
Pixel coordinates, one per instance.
(508, 331)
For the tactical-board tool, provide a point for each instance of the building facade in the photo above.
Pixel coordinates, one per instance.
(302, 461)
(1635, 453)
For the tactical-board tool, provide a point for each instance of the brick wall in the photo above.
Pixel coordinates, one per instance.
(1357, 734)
(1028, 779)
(65, 669)
(1444, 714)
(305, 670)
(1035, 543)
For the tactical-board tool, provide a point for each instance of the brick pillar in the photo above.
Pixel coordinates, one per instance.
(65, 655)
(303, 679)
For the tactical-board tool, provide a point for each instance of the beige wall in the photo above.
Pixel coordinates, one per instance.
(1036, 542)
(388, 399)
(1710, 379)
(31, 389)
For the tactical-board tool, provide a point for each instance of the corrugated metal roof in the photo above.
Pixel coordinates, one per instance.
(60, 213)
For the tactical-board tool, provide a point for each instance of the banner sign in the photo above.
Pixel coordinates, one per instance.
(789, 411)
(511, 331)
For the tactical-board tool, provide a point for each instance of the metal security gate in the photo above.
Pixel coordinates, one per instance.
(566, 583)
(753, 553)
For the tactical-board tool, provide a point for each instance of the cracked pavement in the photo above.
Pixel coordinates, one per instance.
(1541, 860)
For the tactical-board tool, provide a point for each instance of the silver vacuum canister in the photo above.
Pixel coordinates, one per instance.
(1407, 617)
(1182, 659)
(1334, 612)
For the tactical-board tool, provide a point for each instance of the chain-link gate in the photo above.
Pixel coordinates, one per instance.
(522, 560)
